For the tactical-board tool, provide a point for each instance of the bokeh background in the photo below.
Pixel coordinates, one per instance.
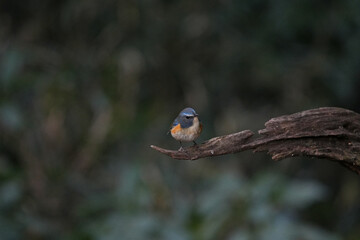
(87, 86)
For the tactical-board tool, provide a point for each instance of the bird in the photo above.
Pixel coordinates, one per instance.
(186, 126)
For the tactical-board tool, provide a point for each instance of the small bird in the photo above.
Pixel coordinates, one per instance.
(186, 127)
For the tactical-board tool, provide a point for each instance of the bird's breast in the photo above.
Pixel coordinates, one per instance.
(187, 134)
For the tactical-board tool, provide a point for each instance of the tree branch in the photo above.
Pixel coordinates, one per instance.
(331, 133)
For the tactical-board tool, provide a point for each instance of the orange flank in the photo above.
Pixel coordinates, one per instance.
(176, 129)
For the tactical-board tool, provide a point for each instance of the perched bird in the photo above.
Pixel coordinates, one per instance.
(186, 127)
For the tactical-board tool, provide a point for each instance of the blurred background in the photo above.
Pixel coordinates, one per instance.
(87, 86)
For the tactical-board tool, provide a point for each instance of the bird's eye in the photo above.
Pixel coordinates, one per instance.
(187, 117)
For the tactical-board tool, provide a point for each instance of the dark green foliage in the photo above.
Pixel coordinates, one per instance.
(87, 86)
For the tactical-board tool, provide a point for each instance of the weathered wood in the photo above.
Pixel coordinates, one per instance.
(231, 143)
(331, 133)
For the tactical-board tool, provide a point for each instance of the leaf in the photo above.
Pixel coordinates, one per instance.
(299, 194)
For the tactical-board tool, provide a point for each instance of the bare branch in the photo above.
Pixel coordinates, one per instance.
(331, 133)
(216, 146)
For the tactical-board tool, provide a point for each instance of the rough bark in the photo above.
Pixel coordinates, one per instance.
(331, 133)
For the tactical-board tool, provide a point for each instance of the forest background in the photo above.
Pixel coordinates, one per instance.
(87, 86)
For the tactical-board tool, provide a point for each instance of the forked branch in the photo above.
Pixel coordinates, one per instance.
(331, 133)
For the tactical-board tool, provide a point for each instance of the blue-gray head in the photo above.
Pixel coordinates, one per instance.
(188, 112)
(185, 118)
